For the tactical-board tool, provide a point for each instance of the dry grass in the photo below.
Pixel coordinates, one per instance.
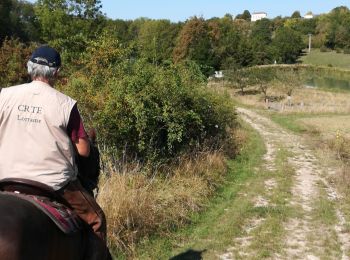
(340, 145)
(329, 126)
(138, 206)
(335, 151)
(318, 101)
(304, 100)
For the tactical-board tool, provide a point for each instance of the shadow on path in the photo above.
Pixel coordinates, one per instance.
(189, 255)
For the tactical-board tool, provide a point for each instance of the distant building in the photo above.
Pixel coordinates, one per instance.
(308, 15)
(218, 74)
(258, 16)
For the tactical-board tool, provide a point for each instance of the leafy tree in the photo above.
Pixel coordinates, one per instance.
(135, 27)
(18, 20)
(290, 79)
(261, 38)
(262, 76)
(120, 29)
(62, 18)
(156, 40)
(296, 14)
(245, 53)
(5, 21)
(244, 16)
(24, 21)
(332, 28)
(239, 78)
(321, 31)
(338, 28)
(242, 26)
(225, 39)
(13, 58)
(194, 44)
(304, 26)
(278, 22)
(287, 45)
(262, 31)
(68, 25)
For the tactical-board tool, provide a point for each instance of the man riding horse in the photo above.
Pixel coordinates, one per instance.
(41, 132)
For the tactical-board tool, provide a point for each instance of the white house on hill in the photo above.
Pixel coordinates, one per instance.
(308, 15)
(258, 16)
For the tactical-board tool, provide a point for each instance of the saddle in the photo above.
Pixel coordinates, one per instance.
(45, 199)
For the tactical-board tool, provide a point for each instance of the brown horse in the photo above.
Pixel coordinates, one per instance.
(27, 233)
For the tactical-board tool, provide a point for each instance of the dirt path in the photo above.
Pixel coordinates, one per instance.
(307, 238)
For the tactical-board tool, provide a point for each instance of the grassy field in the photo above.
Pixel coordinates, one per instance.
(329, 126)
(326, 125)
(327, 59)
(304, 100)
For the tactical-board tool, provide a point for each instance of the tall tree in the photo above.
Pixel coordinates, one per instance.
(296, 14)
(239, 78)
(225, 38)
(23, 21)
(287, 45)
(69, 24)
(290, 79)
(261, 38)
(337, 28)
(156, 40)
(262, 76)
(193, 43)
(245, 15)
(5, 21)
(120, 29)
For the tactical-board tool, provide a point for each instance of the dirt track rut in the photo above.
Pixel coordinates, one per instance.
(304, 237)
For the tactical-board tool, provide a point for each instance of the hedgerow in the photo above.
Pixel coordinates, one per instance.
(146, 111)
(13, 58)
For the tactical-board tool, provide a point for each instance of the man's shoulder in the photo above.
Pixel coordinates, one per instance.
(13, 89)
(63, 97)
(16, 87)
(51, 92)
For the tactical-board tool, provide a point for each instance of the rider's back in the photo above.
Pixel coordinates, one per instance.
(33, 140)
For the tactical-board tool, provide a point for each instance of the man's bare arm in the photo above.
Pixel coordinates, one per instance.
(83, 146)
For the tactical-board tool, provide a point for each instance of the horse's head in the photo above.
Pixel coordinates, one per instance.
(89, 167)
(92, 135)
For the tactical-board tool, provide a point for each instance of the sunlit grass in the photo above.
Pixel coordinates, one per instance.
(225, 215)
(141, 203)
(138, 206)
(330, 58)
(230, 214)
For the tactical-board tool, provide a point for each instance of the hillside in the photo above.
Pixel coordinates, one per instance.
(331, 58)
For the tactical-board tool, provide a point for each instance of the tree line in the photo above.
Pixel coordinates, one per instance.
(214, 44)
(144, 80)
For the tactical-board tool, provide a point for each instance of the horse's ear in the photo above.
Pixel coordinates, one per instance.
(92, 135)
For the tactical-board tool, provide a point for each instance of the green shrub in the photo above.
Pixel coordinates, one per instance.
(346, 50)
(324, 49)
(13, 59)
(148, 111)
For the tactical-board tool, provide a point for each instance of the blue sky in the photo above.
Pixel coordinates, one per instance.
(180, 10)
